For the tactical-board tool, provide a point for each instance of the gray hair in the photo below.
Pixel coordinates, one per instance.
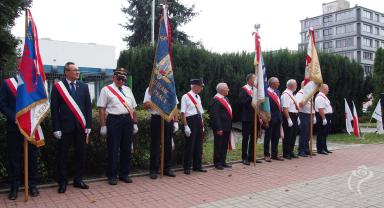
(220, 86)
(272, 80)
(290, 82)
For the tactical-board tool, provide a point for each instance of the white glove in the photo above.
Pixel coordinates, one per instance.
(325, 122)
(103, 130)
(135, 129)
(290, 123)
(87, 131)
(298, 121)
(57, 134)
(175, 127)
(187, 130)
(314, 120)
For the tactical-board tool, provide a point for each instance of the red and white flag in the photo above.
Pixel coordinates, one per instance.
(356, 130)
(313, 78)
(348, 118)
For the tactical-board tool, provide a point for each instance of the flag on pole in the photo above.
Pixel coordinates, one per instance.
(348, 118)
(377, 113)
(162, 84)
(260, 98)
(356, 130)
(32, 104)
(313, 78)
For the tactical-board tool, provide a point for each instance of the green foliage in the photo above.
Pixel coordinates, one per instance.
(344, 77)
(139, 21)
(9, 11)
(378, 74)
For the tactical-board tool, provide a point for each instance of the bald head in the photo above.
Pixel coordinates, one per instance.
(324, 88)
(273, 83)
(292, 85)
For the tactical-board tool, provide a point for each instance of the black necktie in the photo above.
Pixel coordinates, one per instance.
(196, 97)
(121, 90)
(73, 89)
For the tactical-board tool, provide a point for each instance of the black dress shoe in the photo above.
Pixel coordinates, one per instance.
(246, 162)
(259, 161)
(287, 157)
(327, 151)
(226, 165)
(81, 185)
(13, 194)
(62, 188)
(277, 158)
(153, 176)
(187, 172)
(112, 181)
(322, 153)
(200, 170)
(169, 173)
(219, 167)
(126, 179)
(34, 192)
(303, 155)
(294, 156)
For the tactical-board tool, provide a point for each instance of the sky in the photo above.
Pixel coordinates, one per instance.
(222, 25)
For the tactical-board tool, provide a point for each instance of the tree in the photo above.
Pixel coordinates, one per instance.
(9, 11)
(139, 21)
(378, 73)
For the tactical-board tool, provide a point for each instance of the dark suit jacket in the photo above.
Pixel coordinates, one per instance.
(62, 117)
(276, 114)
(8, 106)
(219, 117)
(247, 111)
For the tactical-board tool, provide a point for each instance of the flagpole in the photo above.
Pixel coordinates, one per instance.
(311, 129)
(162, 149)
(255, 139)
(25, 139)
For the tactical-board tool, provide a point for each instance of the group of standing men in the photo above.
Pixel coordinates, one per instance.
(72, 118)
(290, 116)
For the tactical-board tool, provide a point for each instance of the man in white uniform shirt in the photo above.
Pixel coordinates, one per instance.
(290, 119)
(118, 121)
(191, 117)
(304, 116)
(324, 113)
(169, 129)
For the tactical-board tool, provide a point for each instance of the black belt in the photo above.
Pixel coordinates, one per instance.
(119, 115)
(193, 116)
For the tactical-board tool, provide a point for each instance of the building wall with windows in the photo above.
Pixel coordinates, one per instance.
(355, 33)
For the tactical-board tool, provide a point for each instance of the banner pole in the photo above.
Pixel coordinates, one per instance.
(311, 129)
(162, 149)
(255, 139)
(26, 170)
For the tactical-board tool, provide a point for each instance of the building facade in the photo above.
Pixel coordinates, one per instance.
(355, 32)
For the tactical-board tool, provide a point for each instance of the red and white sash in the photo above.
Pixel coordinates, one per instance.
(194, 102)
(12, 84)
(293, 99)
(71, 103)
(225, 104)
(326, 100)
(121, 99)
(274, 97)
(248, 91)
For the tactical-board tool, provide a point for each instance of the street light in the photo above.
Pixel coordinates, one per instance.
(54, 66)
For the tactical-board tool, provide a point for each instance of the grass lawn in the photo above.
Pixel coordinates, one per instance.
(368, 138)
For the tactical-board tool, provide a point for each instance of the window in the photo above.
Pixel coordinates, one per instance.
(376, 31)
(367, 14)
(317, 34)
(348, 54)
(344, 15)
(328, 31)
(327, 18)
(377, 18)
(349, 28)
(306, 24)
(377, 44)
(382, 31)
(348, 42)
(368, 55)
(367, 70)
(327, 44)
(367, 42)
(367, 28)
(340, 30)
(382, 44)
(382, 19)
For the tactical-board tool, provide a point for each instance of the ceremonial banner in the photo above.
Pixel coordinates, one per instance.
(313, 78)
(32, 104)
(162, 85)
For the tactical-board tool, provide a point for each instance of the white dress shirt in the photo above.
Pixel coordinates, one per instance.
(307, 107)
(288, 100)
(112, 104)
(322, 101)
(187, 106)
(147, 98)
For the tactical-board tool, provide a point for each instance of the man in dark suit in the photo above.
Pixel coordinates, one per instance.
(247, 120)
(272, 134)
(15, 142)
(71, 120)
(221, 123)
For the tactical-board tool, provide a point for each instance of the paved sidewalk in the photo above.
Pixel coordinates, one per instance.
(321, 181)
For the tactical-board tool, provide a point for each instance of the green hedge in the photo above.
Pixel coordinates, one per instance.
(345, 78)
(96, 150)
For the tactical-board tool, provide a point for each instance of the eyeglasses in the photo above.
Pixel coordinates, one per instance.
(75, 70)
(121, 79)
